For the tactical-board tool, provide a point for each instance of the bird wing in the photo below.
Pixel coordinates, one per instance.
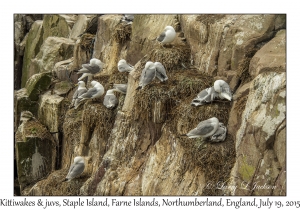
(75, 170)
(147, 76)
(121, 87)
(161, 72)
(110, 101)
(93, 69)
(161, 37)
(89, 93)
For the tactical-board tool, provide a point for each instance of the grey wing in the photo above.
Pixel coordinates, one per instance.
(75, 170)
(91, 69)
(81, 91)
(161, 72)
(75, 95)
(147, 76)
(204, 129)
(161, 37)
(121, 87)
(89, 93)
(122, 67)
(226, 89)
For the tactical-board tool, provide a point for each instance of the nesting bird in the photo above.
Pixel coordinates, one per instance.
(110, 100)
(94, 67)
(220, 134)
(95, 92)
(223, 89)
(205, 128)
(26, 116)
(127, 18)
(148, 74)
(75, 169)
(167, 36)
(160, 72)
(122, 88)
(205, 96)
(123, 66)
(80, 90)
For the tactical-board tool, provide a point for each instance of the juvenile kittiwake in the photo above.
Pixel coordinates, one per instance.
(167, 36)
(205, 128)
(148, 74)
(160, 72)
(95, 92)
(223, 89)
(127, 18)
(80, 90)
(110, 100)
(123, 66)
(220, 134)
(205, 96)
(122, 88)
(76, 168)
(94, 67)
(26, 116)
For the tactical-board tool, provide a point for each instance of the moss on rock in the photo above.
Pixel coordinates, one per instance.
(37, 84)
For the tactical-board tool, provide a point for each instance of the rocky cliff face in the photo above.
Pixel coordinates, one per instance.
(138, 147)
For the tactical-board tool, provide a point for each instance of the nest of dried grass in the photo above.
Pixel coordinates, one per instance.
(122, 33)
(86, 41)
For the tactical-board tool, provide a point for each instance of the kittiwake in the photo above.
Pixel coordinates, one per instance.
(148, 74)
(26, 116)
(223, 89)
(205, 96)
(95, 92)
(205, 128)
(123, 66)
(167, 36)
(160, 72)
(94, 67)
(76, 168)
(220, 134)
(80, 90)
(110, 100)
(122, 88)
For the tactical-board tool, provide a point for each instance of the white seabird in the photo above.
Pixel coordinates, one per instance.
(160, 72)
(76, 168)
(205, 128)
(220, 134)
(110, 100)
(122, 88)
(80, 90)
(223, 89)
(148, 74)
(123, 66)
(205, 96)
(167, 36)
(26, 116)
(95, 92)
(94, 67)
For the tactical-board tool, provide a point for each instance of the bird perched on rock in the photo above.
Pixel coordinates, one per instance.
(96, 91)
(148, 74)
(122, 88)
(167, 36)
(75, 169)
(94, 67)
(160, 72)
(110, 100)
(223, 89)
(123, 66)
(220, 134)
(80, 90)
(127, 18)
(205, 96)
(204, 129)
(26, 116)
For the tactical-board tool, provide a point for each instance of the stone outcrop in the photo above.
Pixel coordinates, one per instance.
(138, 148)
(35, 153)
